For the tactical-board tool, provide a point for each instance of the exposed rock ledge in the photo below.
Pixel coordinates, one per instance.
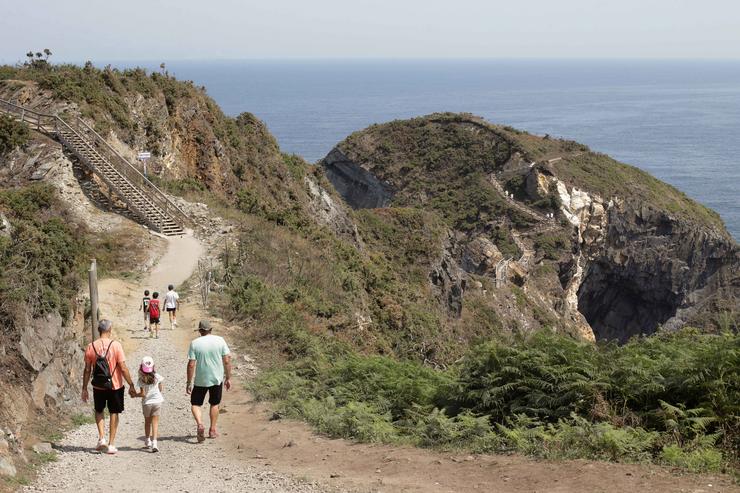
(358, 186)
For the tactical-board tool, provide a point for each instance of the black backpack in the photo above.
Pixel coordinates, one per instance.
(101, 372)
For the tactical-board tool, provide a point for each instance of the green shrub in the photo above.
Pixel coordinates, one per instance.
(12, 134)
(551, 245)
(697, 460)
(40, 262)
(550, 377)
(544, 395)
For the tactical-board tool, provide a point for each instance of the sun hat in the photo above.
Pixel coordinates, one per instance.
(147, 364)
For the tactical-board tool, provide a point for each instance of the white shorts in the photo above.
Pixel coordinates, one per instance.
(150, 410)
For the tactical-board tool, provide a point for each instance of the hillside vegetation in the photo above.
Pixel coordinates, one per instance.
(446, 156)
(672, 399)
(373, 326)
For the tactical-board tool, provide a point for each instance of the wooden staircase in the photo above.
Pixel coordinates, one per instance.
(147, 202)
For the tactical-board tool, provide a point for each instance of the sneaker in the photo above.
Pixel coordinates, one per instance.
(149, 442)
(156, 336)
(111, 450)
(151, 335)
(174, 323)
(154, 446)
(102, 445)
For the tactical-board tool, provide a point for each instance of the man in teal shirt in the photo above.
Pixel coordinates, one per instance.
(210, 363)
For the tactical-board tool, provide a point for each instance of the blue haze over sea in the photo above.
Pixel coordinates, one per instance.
(679, 120)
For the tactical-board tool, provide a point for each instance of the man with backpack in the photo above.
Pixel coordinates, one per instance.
(105, 368)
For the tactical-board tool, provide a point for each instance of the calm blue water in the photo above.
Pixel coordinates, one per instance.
(679, 120)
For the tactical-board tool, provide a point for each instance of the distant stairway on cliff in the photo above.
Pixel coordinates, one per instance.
(147, 202)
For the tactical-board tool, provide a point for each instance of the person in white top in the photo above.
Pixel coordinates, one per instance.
(171, 302)
(150, 390)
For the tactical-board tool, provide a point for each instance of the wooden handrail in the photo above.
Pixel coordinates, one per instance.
(168, 203)
(121, 164)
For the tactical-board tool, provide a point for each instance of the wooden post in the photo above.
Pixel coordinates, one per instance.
(93, 279)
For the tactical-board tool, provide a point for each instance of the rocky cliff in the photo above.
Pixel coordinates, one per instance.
(631, 253)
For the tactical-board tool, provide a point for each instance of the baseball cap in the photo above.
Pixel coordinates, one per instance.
(203, 325)
(147, 364)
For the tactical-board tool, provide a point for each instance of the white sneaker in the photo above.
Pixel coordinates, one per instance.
(154, 446)
(148, 442)
(111, 450)
(174, 323)
(102, 445)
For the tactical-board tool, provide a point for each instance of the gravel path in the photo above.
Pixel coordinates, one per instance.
(182, 464)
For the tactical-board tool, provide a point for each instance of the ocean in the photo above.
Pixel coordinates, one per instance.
(679, 120)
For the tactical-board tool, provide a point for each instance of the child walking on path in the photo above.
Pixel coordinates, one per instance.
(145, 308)
(171, 302)
(155, 312)
(150, 390)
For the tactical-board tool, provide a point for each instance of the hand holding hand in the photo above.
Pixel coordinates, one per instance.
(85, 395)
(132, 392)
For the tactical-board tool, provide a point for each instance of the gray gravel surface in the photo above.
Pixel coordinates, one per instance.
(181, 464)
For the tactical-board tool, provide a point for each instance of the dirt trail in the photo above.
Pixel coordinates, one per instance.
(258, 454)
(182, 464)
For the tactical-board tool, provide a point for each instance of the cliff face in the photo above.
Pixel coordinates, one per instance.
(632, 254)
(358, 186)
(651, 270)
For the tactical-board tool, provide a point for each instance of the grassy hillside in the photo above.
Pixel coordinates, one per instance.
(360, 339)
(607, 177)
(192, 142)
(441, 161)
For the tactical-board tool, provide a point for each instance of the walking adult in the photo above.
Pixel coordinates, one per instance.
(210, 363)
(105, 365)
(171, 302)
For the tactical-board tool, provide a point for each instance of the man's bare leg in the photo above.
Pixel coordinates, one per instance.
(113, 428)
(214, 418)
(100, 423)
(199, 420)
(197, 415)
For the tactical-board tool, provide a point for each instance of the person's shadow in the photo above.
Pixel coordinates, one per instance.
(93, 450)
(181, 439)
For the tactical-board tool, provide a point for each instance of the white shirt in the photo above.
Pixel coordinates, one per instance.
(170, 299)
(152, 394)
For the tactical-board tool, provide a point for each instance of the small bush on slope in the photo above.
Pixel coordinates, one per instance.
(12, 134)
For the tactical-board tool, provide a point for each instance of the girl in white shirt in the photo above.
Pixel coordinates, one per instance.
(150, 390)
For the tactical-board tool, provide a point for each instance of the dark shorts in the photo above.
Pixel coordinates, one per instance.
(198, 395)
(153, 320)
(111, 398)
(173, 310)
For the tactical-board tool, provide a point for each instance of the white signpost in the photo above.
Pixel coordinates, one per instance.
(144, 156)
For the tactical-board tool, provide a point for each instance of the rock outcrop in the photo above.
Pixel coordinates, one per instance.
(633, 254)
(357, 185)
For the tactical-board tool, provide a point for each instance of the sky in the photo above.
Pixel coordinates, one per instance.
(78, 30)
